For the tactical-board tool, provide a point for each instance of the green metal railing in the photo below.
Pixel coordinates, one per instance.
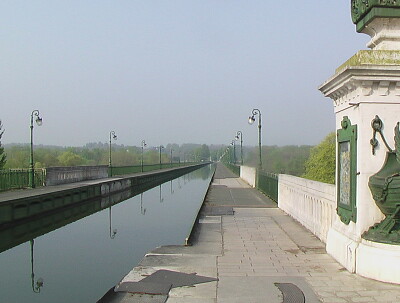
(265, 182)
(19, 178)
(234, 168)
(126, 170)
(268, 184)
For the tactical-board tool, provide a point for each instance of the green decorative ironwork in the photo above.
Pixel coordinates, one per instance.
(377, 126)
(234, 168)
(239, 134)
(347, 171)
(252, 119)
(364, 11)
(385, 189)
(112, 136)
(39, 122)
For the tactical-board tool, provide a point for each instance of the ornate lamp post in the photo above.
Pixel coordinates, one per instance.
(143, 146)
(239, 133)
(227, 152)
(142, 209)
(170, 157)
(39, 122)
(114, 231)
(39, 282)
(161, 198)
(234, 151)
(252, 119)
(112, 136)
(160, 147)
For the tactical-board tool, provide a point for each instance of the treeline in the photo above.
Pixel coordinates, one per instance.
(18, 155)
(288, 159)
(311, 162)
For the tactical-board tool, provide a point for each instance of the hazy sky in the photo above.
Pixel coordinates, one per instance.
(170, 71)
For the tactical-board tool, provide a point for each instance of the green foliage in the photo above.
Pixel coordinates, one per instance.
(124, 157)
(202, 153)
(17, 156)
(321, 164)
(3, 157)
(69, 158)
(98, 154)
(288, 159)
(46, 157)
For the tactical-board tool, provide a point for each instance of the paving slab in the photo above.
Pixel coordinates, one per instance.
(251, 250)
(248, 289)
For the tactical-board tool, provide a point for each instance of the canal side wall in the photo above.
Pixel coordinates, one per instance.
(189, 238)
(25, 205)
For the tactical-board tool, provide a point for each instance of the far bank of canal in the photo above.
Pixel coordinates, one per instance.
(78, 262)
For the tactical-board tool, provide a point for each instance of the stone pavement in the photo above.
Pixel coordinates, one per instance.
(248, 252)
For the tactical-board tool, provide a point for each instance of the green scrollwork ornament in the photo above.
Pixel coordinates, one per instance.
(363, 11)
(358, 9)
(385, 190)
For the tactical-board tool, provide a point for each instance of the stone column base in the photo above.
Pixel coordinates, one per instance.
(369, 259)
(378, 261)
(342, 248)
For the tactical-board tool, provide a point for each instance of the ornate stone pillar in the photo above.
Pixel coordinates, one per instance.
(363, 88)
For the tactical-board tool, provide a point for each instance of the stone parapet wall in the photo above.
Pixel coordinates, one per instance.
(63, 175)
(311, 203)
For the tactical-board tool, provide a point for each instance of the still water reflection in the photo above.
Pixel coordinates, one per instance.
(79, 261)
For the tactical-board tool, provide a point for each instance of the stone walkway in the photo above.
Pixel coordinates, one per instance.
(248, 252)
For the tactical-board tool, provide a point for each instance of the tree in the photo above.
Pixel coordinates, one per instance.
(3, 157)
(202, 153)
(17, 156)
(123, 157)
(69, 158)
(321, 164)
(46, 157)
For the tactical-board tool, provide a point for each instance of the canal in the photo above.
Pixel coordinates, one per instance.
(79, 261)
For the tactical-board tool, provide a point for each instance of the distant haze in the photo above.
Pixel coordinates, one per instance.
(171, 71)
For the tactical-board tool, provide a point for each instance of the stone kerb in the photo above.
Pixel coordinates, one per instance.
(248, 174)
(311, 203)
(64, 175)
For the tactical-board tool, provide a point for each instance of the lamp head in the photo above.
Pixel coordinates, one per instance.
(39, 283)
(252, 119)
(39, 120)
(237, 137)
(114, 136)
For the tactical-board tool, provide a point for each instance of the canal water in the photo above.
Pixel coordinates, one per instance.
(80, 261)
